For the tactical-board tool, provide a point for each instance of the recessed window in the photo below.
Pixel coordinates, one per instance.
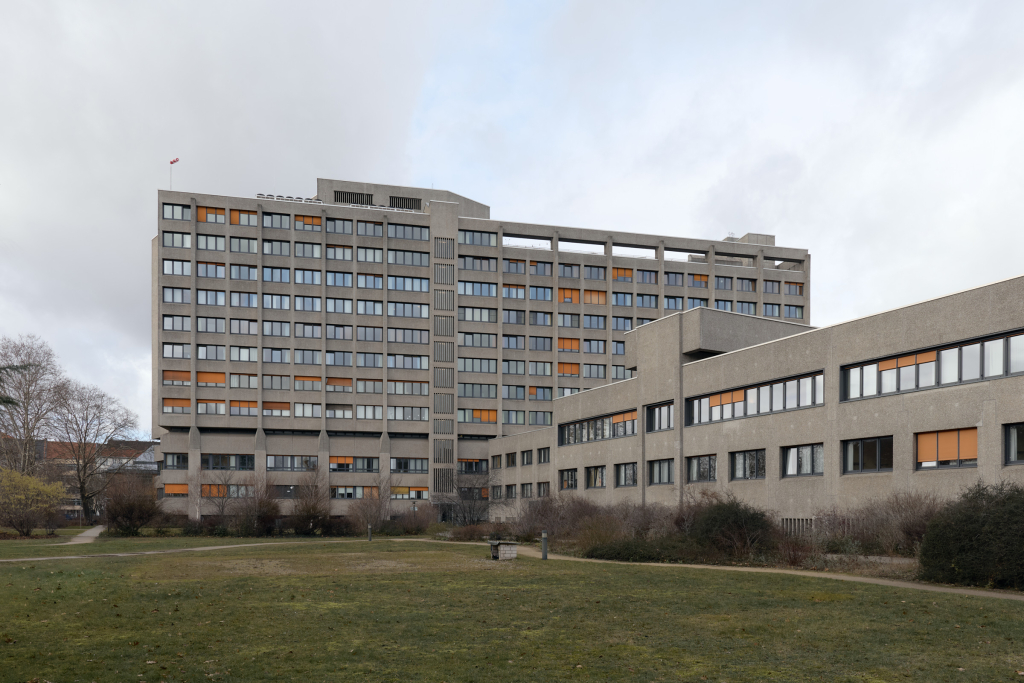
(659, 472)
(867, 455)
(948, 448)
(748, 464)
(801, 461)
(702, 468)
(595, 477)
(625, 474)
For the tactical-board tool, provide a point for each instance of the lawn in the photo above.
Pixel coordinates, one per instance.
(410, 611)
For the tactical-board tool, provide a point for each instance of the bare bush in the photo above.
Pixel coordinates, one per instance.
(311, 513)
(256, 514)
(894, 525)
(374, 508)
(131, 504)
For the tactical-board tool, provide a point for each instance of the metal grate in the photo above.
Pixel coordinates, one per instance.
(444, 403)
(444, 378)
(444, 299)
(444, 480)
(444, 325)
(797, 526)
(444, 426)
(409, 203)
(352, 198)
(444, 247)
(444, 352)
(444, 274)
(444, 451)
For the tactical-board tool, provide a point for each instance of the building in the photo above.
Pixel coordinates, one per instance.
(929, 397)
(380, 330)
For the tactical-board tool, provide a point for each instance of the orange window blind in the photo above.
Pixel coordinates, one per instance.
(594, 296)
(236, 214)
(177, 402)
(210, 377)
(738, 396)
(243, 404)
(209, 400)
(302, 378)
(716, 400)
(490, 416)
(533, 391)
(624, 417)
(485, 492)
(270, 405)
(568, 296)
(369, 492)
(700, 278)
(887, 365)
(572, 369)
(341, 460)
(208, 215)
(339, 381)
(399, 490)
(568, 344)
(176, 488)
(969, 443)
(927, 447)
(928, 357)
(906, 361)
(178, 376)
(306, 220)
(949, 446)
(212, 490)
(418, 488)
(623, 272)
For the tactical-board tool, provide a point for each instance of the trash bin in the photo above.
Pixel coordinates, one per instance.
(503, 550)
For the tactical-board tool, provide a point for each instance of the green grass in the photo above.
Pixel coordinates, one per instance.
(406, 611)
(54, 547)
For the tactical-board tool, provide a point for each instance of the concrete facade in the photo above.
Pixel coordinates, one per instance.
(706, 355)
(233, 368)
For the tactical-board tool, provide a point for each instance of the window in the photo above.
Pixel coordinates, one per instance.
(598, 429)
(488, 365)
(304, 331)
(618, 348)
(369, 229)
(210, 379)
(771, 286)
(213, 352)
(339, 226)
(949, 448)
(488, 289)
(748, 465)
(644, 321)
(369, 413)
(594, 296)
(746, 285)
(369, 281)
(408, 414)
(367, 255)
(276, 248)
(274, 409)
(177, 350)
(177, 212)
(540, 394)
(540, 268)
(622, 274)
(647, 301)
(699, 281)
(307, 277)
(793, 289)
(307, 357)
(177, 406)
(659, 417)
(513, 367)
(510, 341)
(1014, 443)
(369, 360)
(649, 277)
(569, 296)
(595, 477)
(408, 232)
(364, 307)
(513, 417)
(407, 362)
(622, 324)
(593, 345)
(339, 412)
(276, 302)
(307, 250)
(540, 343)
(408, 284)
(282, 382)
(354, 491)
(867, 455)
(340, 358)
(401, 310)
(401, 335)
(746, 307)
(622, 299)
(243, 300)
(790, 394)
(244, 354)
(277, 220)
(702, 468)
(567, 480)
(527, 490)
(339, 305)
(674, 279)
(339, 253)
(291, 463)
(594, 322)
(568, 270)
(771, 310)
(723, 305)
(177, 267)
(540, 293)
(336, 279)
(470, 466)
(568, 345)
(366, 386)
(543, 456)
(800, 461)
(178, 240)
(277, 355)
(408, 258)
(409, 388)
(568, 369)
(177, 295)
(243, 245)
(177, 378)
(510, 460)
(477, 416)
(674, 303)
(723, 283)
(796, 312)
(543, 489)
(513, 392)
(181, 323)
(478, 263)
(659, 472)
(244, 273)
(484, 239)
(540, 368)
(620, 372)
(513, 291)
(209, 461)
(593, 273)
(175, 461)
(514, 266)
(478, 315)
(339, 385)
(510, 491)
(210, 243)
(696, 303)
(540, 319)
(478, 390)
(593, 371)
(209, 297)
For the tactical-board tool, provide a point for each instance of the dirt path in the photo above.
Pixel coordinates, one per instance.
(534, 553)
(87, 536)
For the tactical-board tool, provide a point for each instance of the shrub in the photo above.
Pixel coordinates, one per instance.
(415, 523)
(892, 526)
(629, 550)
(25, 500)
(192, 527)
(131, 504)
(473, 532)
(978, 540)
(734, 528)
(340, 526)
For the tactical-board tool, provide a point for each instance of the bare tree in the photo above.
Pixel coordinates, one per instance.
(257, 511)
(220, 500)
(374, 507)
(312, 510)
(30, 382)
(93, 429)
(131, 503)
(470, 502)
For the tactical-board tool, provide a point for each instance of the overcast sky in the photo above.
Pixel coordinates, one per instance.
(885, 137)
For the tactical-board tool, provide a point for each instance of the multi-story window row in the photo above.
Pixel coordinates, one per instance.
(772, 397)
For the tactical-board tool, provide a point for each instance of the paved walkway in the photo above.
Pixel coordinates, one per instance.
(534, 553)
(87, 536)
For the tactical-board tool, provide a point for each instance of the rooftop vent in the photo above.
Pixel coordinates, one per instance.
(352, 198)
(409, 203)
